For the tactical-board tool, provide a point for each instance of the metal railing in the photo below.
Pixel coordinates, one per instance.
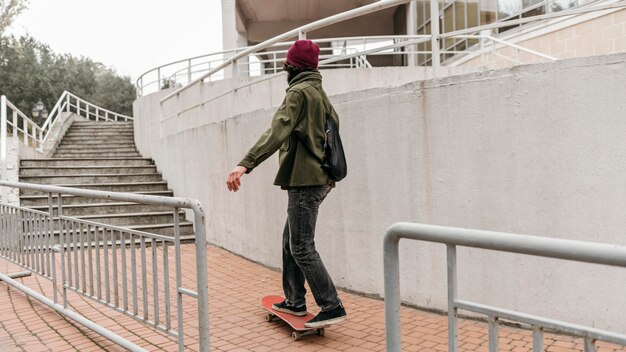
(245, 56)
(34, 135)
(586, 252)
(126, 270)
(299, 32)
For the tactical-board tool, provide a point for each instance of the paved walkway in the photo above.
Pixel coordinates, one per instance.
(237, 322)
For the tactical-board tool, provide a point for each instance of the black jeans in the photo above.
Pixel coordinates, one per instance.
(300, 258)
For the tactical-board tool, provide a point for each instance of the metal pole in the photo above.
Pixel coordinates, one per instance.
(537, 339)
(179, 283)
(202, 276)
(434, 37)
(158, 79)
(411, 29)
(493, 334)
(15, 124)
(72, 315)
(188, 70)
(452, 295)
(3, 143)
(392, 291)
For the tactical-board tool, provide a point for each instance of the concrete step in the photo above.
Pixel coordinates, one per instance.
(95, 146)
(91, 179)
(96, 142)
(90, 130)
(27, 171)
(86, 161)
(133, 219)
(78, 210)
(101, 123)
(81, 149)
(111, 187)
(42, 200)
(108, 139)
(70, 134)
(64, 155)
(101, 126)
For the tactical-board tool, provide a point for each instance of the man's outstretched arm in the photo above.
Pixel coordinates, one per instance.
(233, 182)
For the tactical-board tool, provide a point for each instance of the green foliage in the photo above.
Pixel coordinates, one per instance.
(9, 9)
(30, 71)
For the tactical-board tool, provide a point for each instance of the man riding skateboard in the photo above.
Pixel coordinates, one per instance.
(297, 129)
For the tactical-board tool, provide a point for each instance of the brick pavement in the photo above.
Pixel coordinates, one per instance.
(237, 322)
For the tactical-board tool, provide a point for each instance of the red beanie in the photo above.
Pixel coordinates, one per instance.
(303, 53)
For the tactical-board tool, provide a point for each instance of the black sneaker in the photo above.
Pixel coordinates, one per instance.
(289, 309)
(334, 316)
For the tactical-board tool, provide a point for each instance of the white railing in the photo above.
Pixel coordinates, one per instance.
(183, 78)
(69, 102)
(34, 135)
(352, 53)
(31, 132)
(299, 32)
(125, 270)
(578, 251)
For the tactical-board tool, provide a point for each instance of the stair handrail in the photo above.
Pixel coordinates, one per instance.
(299, 32)
(64, 104)
(28, 125)
(39, 135)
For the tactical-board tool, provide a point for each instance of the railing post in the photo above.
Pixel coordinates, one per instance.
(54, 248)
(15, 124)
(188, 70)
(391, 265)
(202, 277)
(235, 73)
(434, 37)
(3, 143)
(41, 140)
(25, 128)
(493, 334)
(158, 79)
(537, 339)
(452, 295)
(411, 29)
(301, 35)
(67, 101)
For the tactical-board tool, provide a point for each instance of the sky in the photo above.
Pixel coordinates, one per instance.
(131, 36)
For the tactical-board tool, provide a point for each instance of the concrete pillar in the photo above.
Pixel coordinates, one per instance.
(411, 29)
(434, 39)
(233, 31)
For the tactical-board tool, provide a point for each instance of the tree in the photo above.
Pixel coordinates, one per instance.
(30, 71)
(9, 9)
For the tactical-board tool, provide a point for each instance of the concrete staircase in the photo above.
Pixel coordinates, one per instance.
(102, 156)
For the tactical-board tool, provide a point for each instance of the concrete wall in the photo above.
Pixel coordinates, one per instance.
(534, 150)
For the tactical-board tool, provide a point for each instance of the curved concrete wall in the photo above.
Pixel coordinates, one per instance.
(533, 150)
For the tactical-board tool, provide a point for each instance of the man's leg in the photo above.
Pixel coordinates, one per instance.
(303, 207)
(293, 279)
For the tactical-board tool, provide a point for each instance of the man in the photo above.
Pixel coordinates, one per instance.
(297, 129)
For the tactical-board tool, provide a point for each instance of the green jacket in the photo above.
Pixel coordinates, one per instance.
(298, 130)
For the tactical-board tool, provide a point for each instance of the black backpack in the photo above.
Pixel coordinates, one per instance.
(334, 156)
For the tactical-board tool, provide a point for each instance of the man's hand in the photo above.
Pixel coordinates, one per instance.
(234, 178)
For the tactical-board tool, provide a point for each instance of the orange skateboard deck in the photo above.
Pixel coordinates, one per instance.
(296, 322)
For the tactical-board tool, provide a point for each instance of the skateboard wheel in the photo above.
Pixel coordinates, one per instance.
(296, 335)
(269, 317)
(321, 332)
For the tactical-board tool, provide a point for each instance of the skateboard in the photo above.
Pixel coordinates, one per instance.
(296, 322)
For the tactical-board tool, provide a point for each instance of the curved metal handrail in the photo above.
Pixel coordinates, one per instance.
(174, 71)
(299, 32)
